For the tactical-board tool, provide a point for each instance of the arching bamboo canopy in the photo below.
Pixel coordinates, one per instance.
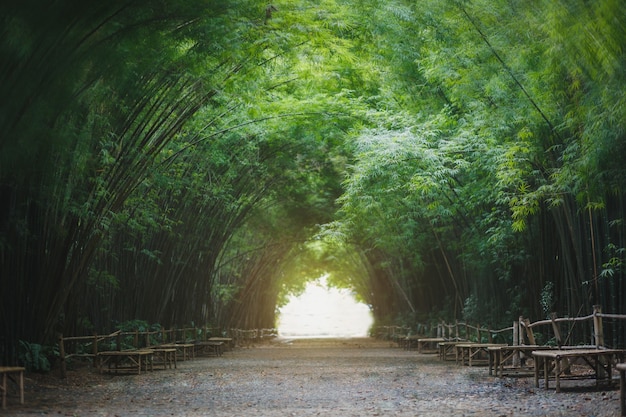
(194, 161)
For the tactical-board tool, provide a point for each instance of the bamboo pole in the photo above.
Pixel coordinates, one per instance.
(520, 327)
(597, 326)
(516, 356)
(529, 332)
(94, 350)
(555, 328)
(62, 357)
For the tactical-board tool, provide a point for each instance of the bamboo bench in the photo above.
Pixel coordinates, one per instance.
(136, 359)
(184, 350)
(7, 373)
(227, 341)
(599, 360)
(410, 342)
(208, 347)
(500, 355)
(469, 353)
(429, 342)
(447, 349)
(165, 356)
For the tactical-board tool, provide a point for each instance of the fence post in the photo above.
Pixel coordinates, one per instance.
(520, 330)
(529, 332)
(62, 356)
(516, 357)
(555, 328)
(94, 350)
(597, 326)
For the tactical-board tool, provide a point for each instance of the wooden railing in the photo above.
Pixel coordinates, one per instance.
(242, 337)
(87, 347)
(521, 332)
(595, 319)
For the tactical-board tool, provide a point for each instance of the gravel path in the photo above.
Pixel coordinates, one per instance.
(351, 377)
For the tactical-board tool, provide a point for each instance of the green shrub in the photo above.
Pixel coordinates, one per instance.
(36, 357)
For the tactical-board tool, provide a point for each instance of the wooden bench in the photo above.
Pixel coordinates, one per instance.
(136, 360)
(447, 350)
(208, 347)
(409, 342)
(599, 360)
(7, 373)
(500, 355)
(429, 344)
(621, 367)
(470, 353)
(185, 351)
(227, 341)
(165, 356)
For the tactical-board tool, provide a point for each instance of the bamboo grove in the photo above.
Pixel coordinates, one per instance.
(195, 161)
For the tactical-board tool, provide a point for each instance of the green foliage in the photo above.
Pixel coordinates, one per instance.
(471, 310)
(225, 293)
(137, 325)
(615, 261)
(547, 298)
(127, 341)
(197, 161)
(35, 357)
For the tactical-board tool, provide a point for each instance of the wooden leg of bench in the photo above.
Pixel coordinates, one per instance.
(622, 392)
(4, 390)
(22, 388)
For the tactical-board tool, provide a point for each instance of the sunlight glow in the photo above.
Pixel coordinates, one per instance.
(324, 312)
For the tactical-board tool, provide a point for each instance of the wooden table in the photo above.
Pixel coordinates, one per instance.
(7, 373)
(599, 360)
(499, 355)
(429, 342)
(621, 367)
(136, 358)
(470, 352)
(164, 355)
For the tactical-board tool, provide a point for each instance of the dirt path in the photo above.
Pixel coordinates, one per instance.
(308, 378)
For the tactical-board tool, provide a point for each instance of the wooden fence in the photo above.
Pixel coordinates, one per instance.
(521, 332)
(87, 347)
(595, 321)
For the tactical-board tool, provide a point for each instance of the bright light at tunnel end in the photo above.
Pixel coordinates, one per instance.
(321, 311)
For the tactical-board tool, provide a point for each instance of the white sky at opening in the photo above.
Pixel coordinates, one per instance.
(321, 311)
